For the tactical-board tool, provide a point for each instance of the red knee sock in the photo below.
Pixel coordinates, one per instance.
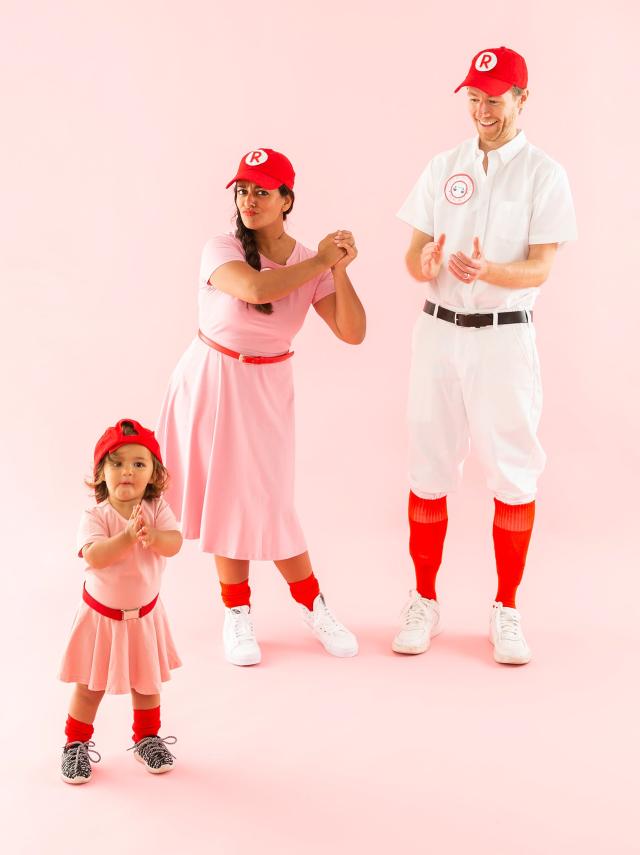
(427, 527)
(305, 591)
(512, 526)
(236, 595)
(145, 723)
(77, 731)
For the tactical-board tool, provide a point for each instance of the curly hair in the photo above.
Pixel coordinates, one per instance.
(247, 238)
(155, 488)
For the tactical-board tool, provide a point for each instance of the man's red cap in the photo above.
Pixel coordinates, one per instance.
(495, 70)
(265, 167)
(113, 438)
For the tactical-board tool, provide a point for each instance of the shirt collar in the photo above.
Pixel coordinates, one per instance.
(507, 151)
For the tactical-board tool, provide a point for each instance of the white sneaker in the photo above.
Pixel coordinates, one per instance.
(420, 623)
(334, 637)
(505, 633)
(240, 645)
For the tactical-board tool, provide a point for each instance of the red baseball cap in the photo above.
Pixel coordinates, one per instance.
(113, 438)
(495, 70)
(265, 167)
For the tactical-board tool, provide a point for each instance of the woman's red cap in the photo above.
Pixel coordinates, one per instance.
(267, 168)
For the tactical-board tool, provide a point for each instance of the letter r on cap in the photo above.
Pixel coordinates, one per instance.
(486, 61)
(256, 157)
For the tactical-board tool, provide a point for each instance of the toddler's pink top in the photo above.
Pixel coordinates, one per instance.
(134, 579)
(239, 326)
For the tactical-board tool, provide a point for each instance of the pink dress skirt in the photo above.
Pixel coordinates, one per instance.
(226, 430)
(116, 656)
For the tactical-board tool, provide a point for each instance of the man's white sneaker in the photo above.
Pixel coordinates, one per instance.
(420, 623)
(334, 637)
(240, 645)
(505, 633)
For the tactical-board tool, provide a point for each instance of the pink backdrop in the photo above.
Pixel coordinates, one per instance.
(122, 123)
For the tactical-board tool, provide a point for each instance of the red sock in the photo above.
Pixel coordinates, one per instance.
(512, 526)
(77, 731)
(305, 591)
(145, 723)
(427, 527)
(236, 595)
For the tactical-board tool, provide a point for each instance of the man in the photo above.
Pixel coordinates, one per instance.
(499, 208)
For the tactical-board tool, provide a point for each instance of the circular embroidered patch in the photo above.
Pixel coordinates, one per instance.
(459, 188)
(256, 158)
(486, 61)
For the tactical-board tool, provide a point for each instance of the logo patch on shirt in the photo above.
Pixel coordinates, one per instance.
(255, 158)
(486, 61)
(459, 188)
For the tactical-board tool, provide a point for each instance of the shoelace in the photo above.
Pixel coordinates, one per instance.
(153, 748)
(414, 615)
(84, 755)
(242, 626)
(510, 627)
(328, 623)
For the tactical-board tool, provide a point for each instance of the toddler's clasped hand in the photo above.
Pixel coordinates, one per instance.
(137, 530)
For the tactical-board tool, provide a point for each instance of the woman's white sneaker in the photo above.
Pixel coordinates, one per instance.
(420, 623)
(238, 638)
(334, 637)
(505, 633)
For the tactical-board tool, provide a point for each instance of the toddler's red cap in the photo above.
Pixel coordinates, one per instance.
(495, 70)
(265, 167)
(113, 438)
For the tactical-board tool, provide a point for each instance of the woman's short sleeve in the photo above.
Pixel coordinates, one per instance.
(217, 251)
(92, 527)
(324, 286)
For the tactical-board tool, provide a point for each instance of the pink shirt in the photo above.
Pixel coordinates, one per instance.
(239, 326)
(134, 580)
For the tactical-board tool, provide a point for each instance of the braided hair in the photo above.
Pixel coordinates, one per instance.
(247, 238)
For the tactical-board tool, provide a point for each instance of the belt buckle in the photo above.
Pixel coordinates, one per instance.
(241, 357)
(455, 318)
(130, 614)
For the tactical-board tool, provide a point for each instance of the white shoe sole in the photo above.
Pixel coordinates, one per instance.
(397, 647)
(159, 771)
(75, 780)
(507, 659)
(243, 661)
(340, 654)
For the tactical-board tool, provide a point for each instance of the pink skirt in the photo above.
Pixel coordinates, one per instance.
(116, 656)
(227, 435)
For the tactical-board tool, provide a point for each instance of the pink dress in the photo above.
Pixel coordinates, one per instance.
(112, 655)
(226, 427)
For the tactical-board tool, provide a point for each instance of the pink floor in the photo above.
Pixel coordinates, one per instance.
(379, 754)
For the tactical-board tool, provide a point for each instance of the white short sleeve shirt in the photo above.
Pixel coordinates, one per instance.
(523, 199)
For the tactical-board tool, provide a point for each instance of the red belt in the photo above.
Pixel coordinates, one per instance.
(255, 360)
(118, 614)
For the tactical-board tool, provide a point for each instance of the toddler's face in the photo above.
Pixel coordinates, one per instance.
(127, 471)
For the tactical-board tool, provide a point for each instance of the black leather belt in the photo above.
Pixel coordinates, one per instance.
(484, 319)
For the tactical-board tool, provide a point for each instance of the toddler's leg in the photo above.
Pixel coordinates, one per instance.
(150, 748)
(82, 713)
(77, 754)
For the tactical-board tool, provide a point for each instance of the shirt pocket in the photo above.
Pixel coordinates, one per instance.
(512, 221)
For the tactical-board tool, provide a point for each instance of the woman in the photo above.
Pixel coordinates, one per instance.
(227, 424)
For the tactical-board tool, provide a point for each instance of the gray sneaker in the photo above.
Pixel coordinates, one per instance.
(153, 752)
(77, 758)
